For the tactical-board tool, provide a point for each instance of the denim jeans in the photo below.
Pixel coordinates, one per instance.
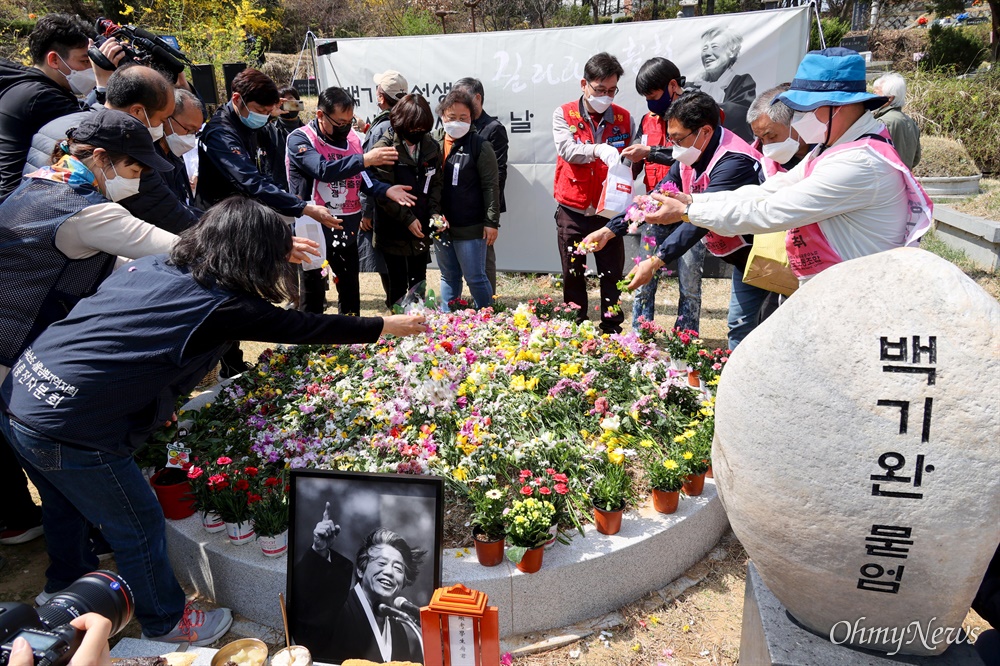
(689, 270)
(78, 485)
(464, 258)
(746, 304)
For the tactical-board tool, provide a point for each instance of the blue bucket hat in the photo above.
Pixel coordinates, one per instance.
(831, 77)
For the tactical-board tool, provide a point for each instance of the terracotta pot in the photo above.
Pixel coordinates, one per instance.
(532, 560)
(173, 492)
(608, 522)
(694, 484)
(489, 553)
(708, 474)
(694, 379)
(212, 522)
(240, 534)
(665, 501)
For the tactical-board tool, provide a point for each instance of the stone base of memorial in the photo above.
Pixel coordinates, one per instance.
(772, 637)
(587, 578)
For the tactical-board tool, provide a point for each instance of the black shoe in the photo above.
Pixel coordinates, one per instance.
(227, 371)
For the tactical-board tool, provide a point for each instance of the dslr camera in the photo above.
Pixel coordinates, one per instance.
(52, 638)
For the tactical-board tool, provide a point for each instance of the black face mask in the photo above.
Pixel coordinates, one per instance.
(339, 133)
(413, 137)
(659, 106)
(292, 115)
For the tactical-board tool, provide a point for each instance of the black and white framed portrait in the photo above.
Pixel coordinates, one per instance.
(365, 555)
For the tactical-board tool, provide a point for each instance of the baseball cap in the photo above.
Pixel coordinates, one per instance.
(392, 83)
(831, 77)
(119, 132)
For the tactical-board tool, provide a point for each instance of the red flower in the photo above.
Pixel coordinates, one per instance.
(271, 481)
(251, 471)
(526, 490)
(195, 472)
(544, 491)
(224, 460)
(253, 498)
(560, 478)
(525, 474)
(550, 471)
(242, 485)
(562, 488)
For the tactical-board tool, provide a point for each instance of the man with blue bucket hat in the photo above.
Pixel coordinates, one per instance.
(852, 196)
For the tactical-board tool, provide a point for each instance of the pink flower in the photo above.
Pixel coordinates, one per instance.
(195, 472)
(544, 491)
(526, 490)
(561, 489)
(506, 659)
(224, 460)
(525, 474)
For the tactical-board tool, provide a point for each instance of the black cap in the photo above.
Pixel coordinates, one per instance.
(119, 132)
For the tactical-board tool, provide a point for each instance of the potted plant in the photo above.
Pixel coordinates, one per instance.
(666, 476)
(698, 359)
(173, 492)
(677, 342)
(230, 487)
(268, 501)
(489, 528)
(552, 486)
(527, 530)
(698, 456)
(203, 496)
(610, 490)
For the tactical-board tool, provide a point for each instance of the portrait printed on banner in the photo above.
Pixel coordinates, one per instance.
(365, 555)
(733, 92)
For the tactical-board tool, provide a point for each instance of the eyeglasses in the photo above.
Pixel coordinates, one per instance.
(173, 121)
(335, 124)
(601, 92)
(676, 140)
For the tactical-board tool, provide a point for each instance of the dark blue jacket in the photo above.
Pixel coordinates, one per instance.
(731, 172)
(234, 159)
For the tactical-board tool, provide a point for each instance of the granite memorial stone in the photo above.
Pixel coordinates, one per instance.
(856, 450)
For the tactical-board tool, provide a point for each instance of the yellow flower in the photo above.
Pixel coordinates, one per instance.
(460, 474)
(517, 383)
(569, 369)
(616, 456)
(531, 384)
(688, 455)
(670, 464)
(646, 443)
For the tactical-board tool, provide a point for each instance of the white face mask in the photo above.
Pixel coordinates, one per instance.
(457, 129)
(119, 188)
(782, 151)
(81, 81)
(599, 104)
(688, 155)
(809, 127)
(155, 132)
(180, 144)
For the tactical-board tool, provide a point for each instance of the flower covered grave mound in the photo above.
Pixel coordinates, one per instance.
(481, 398)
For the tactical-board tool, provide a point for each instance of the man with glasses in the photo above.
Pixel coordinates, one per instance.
(180, 136)
(590, 133)
(326, 166)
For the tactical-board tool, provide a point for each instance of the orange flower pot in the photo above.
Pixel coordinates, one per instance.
(694, 484)
(608, 522)
(694, 379)
(532, 560)
(666, 501)
(489, 553)
(708, 474)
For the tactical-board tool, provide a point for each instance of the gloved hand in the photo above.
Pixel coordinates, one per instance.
(607, 154)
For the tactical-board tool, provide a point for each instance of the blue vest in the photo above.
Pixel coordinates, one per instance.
(41, 284)
(111, 372)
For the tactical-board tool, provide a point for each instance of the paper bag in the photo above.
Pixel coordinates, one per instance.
(767, 265)
(306, 227)
(618, 191)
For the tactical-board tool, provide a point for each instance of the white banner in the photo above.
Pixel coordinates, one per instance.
(527, 74)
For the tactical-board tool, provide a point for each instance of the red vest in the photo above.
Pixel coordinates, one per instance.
(718, 245)
(654, 133)
(579, 185)
(809, 251)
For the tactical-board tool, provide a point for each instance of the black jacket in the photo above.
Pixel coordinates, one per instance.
(28, 100)
(491, 129)
(234, 159)
(165, 198)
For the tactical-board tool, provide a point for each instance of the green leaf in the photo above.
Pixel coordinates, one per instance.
(516, 553)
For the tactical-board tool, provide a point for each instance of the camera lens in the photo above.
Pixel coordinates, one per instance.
(102, 592)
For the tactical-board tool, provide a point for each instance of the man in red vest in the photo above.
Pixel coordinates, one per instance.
(590, 133)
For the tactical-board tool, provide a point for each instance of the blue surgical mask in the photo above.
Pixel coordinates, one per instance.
(253, 120)
(659, 106)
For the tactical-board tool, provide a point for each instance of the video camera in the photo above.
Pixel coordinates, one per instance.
(52, 638)
(139, 46)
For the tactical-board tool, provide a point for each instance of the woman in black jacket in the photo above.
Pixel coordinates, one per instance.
(402, 233)
(91, 388)
(471, 203)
